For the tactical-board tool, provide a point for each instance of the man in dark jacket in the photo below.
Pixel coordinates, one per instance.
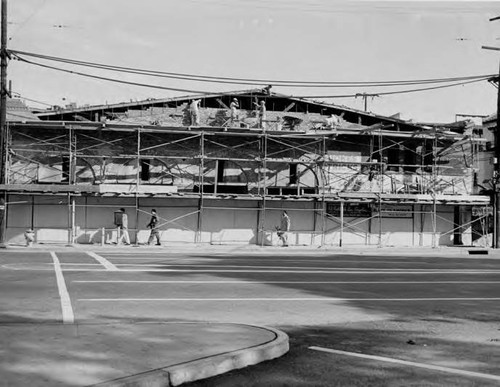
(154, 230)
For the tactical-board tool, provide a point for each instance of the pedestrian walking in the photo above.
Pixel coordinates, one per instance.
(153, 225)
(29, 236)
(123, 228)
(284, 228)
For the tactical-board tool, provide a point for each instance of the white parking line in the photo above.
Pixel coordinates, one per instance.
(285, 282)
(139, 269)
(67, 310)
(103, 261)
(123, 257)
(306, 268)
(283, 299)
(355, 272)
(290, 269)
(410, 363)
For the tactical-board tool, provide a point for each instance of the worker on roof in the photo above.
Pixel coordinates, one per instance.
(333, 121)
(234, 106)
(261, 113)
(194, 111)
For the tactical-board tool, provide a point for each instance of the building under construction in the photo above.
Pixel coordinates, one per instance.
(345, 177)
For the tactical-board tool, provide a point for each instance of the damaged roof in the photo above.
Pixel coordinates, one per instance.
(275, 102)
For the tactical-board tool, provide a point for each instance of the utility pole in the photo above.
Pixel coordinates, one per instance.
(496, 171)
(3, 119)
(365, 98)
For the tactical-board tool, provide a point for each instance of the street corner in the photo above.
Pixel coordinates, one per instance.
(225, 362)
(206, 350)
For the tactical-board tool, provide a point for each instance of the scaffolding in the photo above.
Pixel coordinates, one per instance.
(351, 181)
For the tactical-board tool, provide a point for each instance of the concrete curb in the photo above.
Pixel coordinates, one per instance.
(470, 252)
(203, 368)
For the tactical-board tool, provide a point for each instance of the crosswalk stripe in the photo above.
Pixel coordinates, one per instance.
(103, 261)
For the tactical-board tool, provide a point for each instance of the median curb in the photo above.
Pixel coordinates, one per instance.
(203, 368)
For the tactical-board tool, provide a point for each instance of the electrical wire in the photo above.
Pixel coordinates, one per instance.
(18, 95)
(474, 79)
(209, 93)
(394, 92)
(113, 79)
(347, 7)
(246, 81)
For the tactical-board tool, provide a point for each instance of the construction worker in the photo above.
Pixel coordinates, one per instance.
(261, 113)
(333, 121)
(194, 112)
(234, 106)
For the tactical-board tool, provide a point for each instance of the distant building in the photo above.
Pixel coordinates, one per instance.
(18, 111)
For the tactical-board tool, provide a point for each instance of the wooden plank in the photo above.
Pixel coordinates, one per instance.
(289, 107)
(222, 104)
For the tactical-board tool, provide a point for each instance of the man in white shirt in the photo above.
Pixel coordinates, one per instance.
(284, 228)
(123, 228)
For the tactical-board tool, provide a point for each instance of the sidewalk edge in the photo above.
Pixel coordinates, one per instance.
(207, 367)
(219, 364)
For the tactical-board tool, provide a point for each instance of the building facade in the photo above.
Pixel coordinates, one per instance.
(345, 177)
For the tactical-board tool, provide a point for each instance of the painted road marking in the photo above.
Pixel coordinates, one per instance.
(48, 266)
(217, 266)
(266, 259)
(139, 269)
(286, 282)
(67, 310)
(410, 363)
(304, 270)
(486, 272)
(103, 261)
(285, 299)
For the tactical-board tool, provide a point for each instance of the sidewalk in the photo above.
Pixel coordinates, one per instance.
(141, 354)
(203, 248)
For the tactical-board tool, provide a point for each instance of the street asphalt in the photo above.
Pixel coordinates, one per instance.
(141, 316)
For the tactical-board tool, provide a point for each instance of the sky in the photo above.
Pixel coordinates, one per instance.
(300, 40)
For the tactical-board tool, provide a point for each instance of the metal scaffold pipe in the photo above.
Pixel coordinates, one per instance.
(3, 118)
(497, 168)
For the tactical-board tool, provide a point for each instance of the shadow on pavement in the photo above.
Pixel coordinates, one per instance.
(46, 353)
(432, 309)
(305, 367)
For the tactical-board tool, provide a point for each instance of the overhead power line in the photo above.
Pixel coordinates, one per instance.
(18, 95)
(467, 80)
(112, 79)
(357, 7)
(247, 81)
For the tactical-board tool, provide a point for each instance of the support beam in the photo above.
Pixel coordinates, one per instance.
(71, 219)
(222, 104)
(457, 226)
(3, 120)
(497, 168)
(341, 236)
(201, 183)
(289, 107)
